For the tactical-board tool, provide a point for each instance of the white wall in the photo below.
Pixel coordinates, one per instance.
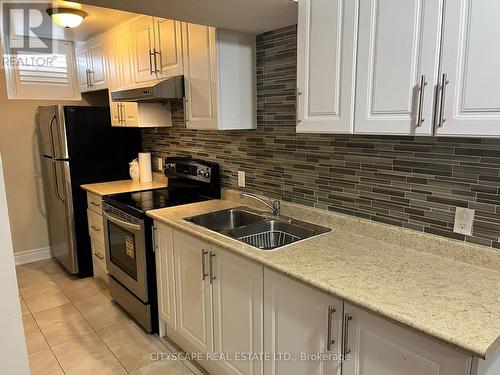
(13, 353)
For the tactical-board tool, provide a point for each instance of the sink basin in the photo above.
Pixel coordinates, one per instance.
(221, 221)
(272, 234)
(260, 230)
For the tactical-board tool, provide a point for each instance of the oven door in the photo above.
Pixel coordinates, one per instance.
(126, 251)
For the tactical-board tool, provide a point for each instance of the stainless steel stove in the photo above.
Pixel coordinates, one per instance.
(129, 237)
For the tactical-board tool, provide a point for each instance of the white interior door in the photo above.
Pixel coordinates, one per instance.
(296, 321)
(143, 41)
(398, 52)
(471, 62)
(200, 73)
(193, 291)
(326, 65)
(169, 45)
(238, 311)
(379, 347)
(165, 273)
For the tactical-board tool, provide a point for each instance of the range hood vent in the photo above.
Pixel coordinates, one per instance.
(161, 92)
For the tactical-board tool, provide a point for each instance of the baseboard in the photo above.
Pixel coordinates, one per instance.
(30, 256)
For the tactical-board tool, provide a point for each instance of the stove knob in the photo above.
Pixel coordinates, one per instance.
(206, 174)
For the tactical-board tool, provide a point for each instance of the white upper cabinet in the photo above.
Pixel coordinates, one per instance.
(91, 66)
(168, 38)
(219, 73)
(326, 65)
(157, 48)
(297, 320)
(398, 54)
(471, 66)
(143, 43)
(379, 347)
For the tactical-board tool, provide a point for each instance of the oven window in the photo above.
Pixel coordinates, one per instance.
(122, 249)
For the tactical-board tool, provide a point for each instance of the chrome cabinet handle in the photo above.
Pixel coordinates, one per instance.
(346, 348)
(95, 228)
(204, 273)
(101, 257)
(87, 77)
(444, 83)
(95, 204)
(155, 52)
(420, 119)
(121, 111)
(151, 54)
(330, 340)
(91, 73)
(297, 94)
(186, 109)
(210, 258)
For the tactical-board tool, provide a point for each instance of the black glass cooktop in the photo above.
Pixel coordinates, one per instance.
(137, 203)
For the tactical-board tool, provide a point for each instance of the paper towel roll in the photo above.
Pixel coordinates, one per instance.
(146, 175)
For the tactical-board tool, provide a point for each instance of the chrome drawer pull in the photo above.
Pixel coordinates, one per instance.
(329, 339)
(204, 273)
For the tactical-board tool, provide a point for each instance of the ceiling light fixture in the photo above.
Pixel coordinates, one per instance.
(67, 17)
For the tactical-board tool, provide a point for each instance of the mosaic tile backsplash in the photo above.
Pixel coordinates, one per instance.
(412, 182)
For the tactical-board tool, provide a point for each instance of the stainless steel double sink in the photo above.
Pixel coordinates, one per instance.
(261, 230)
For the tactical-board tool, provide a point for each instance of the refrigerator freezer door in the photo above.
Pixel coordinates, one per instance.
(59, 207)
(52, 132)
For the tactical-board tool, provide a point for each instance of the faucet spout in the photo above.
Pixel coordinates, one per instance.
(274, 206)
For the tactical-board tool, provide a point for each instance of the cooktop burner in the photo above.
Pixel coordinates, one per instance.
(137, 203)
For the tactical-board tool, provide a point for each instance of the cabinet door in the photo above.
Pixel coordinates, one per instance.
(82, 68)
(296, 320)
(97, 65)
(169, 45)
(200, 73)
(326, 65)
(130, 113)
(379, 347)
(238, 311)
(193, 292)
(143, 42)
(398, 49)
(471, 105)
(165, 273)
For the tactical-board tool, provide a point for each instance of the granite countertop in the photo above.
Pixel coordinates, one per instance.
(123, 186)
(455, 301)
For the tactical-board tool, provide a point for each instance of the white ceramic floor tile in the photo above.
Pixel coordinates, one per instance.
(44, 363)
(87, 355)
(100, 311)
(62, 323)
(130, 344)
(33, 336)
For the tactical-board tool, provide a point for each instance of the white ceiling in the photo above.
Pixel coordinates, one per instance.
(97, 21)
(253, 16)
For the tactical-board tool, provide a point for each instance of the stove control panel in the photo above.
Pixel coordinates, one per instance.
(189, 169)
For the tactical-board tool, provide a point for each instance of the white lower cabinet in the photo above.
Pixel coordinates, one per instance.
(379, 347)
(224, 306)
(238, 311)
(300, 321)
(210, 301)
(193, 292)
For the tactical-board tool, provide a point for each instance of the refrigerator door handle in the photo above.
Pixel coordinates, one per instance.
(53, 154)
(56, 183)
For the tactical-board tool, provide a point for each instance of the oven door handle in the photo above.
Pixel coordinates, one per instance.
(123, 224)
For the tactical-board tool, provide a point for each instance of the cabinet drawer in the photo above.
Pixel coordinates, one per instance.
(94, 203)
(98, 253)
(96, 228)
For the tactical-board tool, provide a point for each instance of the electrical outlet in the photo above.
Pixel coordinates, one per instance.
(241, 179)
(159, 164)
(464, 219)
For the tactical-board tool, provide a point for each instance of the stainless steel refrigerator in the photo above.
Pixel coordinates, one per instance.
(78, 145)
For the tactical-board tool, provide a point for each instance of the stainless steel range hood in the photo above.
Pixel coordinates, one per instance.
(163, 91)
